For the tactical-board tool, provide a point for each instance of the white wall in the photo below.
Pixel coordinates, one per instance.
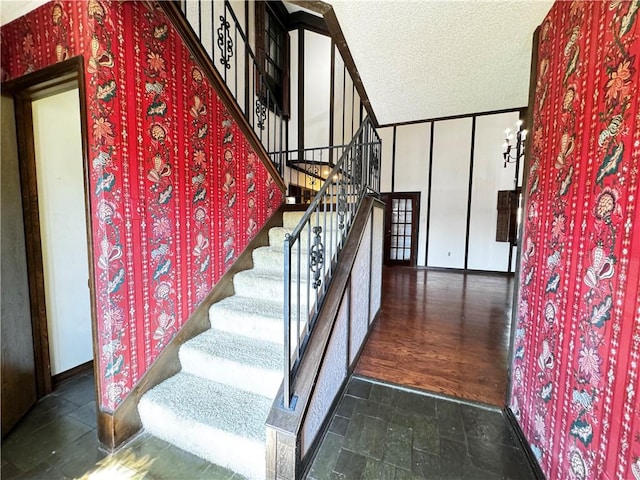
(412, 153)
(489, 176)
(450, 164)
(449, 193)
(293, 85)
(59, 167)
(317, 82)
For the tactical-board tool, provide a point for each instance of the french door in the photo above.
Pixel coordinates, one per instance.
(401, 228)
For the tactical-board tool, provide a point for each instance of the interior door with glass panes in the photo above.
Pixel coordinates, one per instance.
(401, 228)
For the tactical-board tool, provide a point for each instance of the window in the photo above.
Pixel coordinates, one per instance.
(272, 42)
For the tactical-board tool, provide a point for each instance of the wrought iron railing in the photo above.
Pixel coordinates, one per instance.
(306, 170)
(221, 34)
(312, 249)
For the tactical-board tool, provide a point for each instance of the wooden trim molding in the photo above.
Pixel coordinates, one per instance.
(429, 182)
(522, 440)
(201, 57)
(57, 78)
(308, 22)
(125, 422)
(469, 192)
(60, 378)
(533, 80)
(333, 26)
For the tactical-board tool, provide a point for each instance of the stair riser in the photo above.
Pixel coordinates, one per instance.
(268, 259)
(263, 382)
(246, 324)
(273, 262)
(291, 219)
(271, 288)
(277, 237)
(242, 455)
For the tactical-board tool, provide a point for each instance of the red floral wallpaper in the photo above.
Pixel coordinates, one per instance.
(577, 341)
(176, 191)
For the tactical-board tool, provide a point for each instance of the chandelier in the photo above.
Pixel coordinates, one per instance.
(513, 147)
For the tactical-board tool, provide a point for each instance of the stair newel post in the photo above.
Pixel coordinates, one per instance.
(287, 321)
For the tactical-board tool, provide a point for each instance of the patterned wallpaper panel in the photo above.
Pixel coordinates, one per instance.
(176, 192)
(577, 340)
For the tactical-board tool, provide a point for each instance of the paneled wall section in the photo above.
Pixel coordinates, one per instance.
(456, 165)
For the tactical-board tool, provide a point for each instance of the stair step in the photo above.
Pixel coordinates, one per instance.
(277, 236)
(291, 219)
(267, 258)
(236, 360)
(262, 284)
(219, 423)
(271, 261)
(255, 318)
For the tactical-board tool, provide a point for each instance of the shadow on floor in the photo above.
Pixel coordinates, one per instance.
(57, 439)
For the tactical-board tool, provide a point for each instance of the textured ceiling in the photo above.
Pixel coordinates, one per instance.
(12, 9)
(432, 58)
(422, 59)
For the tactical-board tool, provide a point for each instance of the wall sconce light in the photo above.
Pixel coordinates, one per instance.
(519, 138)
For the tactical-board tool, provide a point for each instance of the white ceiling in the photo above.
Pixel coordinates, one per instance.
(423, 59)
(12, 9)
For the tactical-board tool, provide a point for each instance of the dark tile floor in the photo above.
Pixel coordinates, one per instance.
(382, 432)
(57, 440)
(377, 432)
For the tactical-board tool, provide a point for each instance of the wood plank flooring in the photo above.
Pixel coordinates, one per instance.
(444, 332)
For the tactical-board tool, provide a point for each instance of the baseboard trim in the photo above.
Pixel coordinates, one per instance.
(526, 448)
(119, 426)
(60, 378)
(460, 270)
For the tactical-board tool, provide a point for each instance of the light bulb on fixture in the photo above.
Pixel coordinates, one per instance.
(509, 145)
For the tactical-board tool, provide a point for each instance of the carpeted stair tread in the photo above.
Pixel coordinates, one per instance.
(259, 319)
(237, 348)
(272, 309)
(259, 273)
(219, 423)
(236, 360)
(277, 236)
(198, 400)
(262, 284)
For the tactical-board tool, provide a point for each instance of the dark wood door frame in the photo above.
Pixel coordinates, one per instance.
(414, 197)
(58, 78)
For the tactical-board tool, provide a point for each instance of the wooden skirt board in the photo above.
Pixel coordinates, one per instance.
(443, 332)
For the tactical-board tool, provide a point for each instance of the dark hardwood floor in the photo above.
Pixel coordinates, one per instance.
(444, 332)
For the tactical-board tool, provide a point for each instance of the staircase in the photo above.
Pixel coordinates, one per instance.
(216, 406)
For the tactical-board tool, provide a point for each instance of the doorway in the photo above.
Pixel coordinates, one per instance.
(63, 225)
(51, 136)
(402, 213)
